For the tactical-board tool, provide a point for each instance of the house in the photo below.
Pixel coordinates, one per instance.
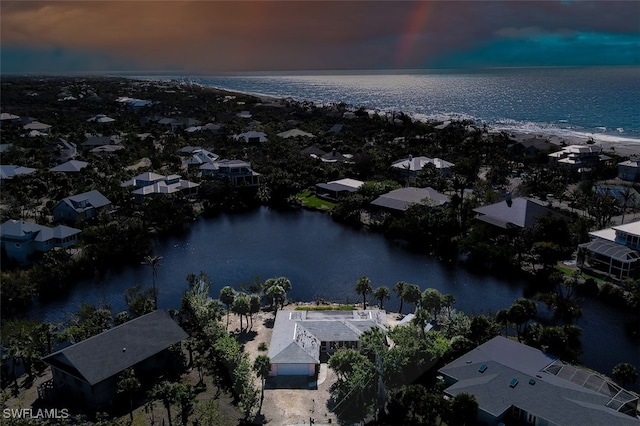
(336, 128)
(301, 339)
(338, 188)
(629, 170)
(294, 133)
(251, 136)
(313, 151)
(71, 167)
(411, 166)
(238, 172)
(517, 384)
(517, 213)
(96, 141)
(399, 200)
(106, 150)
(334, 157)
(179, 123)
(81, 206)
(150, 183)
(576, 157)
(100, 118)
(38, 127)
(6, 117)
(63, 150)
(199, 157)
(8, 172)
(614, 251)
(88, 371)
(20, 239)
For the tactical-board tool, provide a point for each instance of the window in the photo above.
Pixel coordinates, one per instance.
(516, 412)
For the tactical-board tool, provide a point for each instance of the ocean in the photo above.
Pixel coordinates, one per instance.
(602, 103)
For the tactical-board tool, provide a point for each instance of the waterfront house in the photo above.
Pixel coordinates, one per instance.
(512, 214)
(238, 172)
(81, 206)
(614, 251)
(71, 167)
(576, 157)
(301, 339)
(9, 171)
(411, 166)
(517, 384)
(149, 183)
(629, 170)
(20, 239)
(400, 200)
(87, 372)
(338, 188)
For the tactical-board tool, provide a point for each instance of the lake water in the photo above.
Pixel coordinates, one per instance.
(323, 258)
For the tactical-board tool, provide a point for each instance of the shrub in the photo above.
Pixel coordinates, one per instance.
(262, 346)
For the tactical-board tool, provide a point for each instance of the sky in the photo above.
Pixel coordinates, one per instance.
(213, 37)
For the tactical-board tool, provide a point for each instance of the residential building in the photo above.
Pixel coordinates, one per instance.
(38, 127)
(509, 214)
(577, 157)
(20, 239)
(313, 151)
(101, 118)
(71, 167)
(106, 150)
(301, 339)
(87, 372)
(150, 183)
(411, 166)
(8, 172)
(338, 188)
(81, 206)
(200, 156)
(614, 251)
(294, 133)
(399, 200)
(238, 172)
(96, 141)
(629, 170)
(517, 384)
(335, 157)
(251, 136)
(63, 150)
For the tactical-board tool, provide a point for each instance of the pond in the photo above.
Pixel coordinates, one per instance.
(324, 259)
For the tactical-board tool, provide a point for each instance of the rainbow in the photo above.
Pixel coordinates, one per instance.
(418, 19)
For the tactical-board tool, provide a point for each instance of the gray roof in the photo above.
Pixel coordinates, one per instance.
(612, 250)
(71, 166)
(313, 150)
(88, 199)
(522, 213)
(297, 335)
(107, 354)
(20, 228)
(9, 171)
(542, 393)
(101, 140)
(403, 198)
(337, 187)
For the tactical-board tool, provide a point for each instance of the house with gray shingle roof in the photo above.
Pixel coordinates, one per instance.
(411, 166)
(8, 172)
(399, 200)
(88, 371)
(70, 167)
(20, 239)
(80, 206)
(517, 213)
(513, 382)
(301, 339)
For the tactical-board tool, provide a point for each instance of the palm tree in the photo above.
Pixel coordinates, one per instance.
(363, 287)
(167, 392)
(382, 293)
(262, 367)
(227, 295)
(625, 373)
(398, 289)
(241, 306)
(276, 294)
(128, 384)
(154, 263)
(421, 319)
(412, 294)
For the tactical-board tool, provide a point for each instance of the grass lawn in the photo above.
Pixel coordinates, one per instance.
(313, 202)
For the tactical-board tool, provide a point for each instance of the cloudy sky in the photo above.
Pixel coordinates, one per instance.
(197, 36)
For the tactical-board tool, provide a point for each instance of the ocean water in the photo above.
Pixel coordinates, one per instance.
(603, 103)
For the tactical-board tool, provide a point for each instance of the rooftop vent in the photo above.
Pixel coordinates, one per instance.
(532, 382)
(513, 383)
(482, 368)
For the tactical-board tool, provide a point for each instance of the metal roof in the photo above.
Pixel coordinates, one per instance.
(612, 250)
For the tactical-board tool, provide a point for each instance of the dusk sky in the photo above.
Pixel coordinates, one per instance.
(209, 37)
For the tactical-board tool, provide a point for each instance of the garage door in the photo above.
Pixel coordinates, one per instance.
(293, 369)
